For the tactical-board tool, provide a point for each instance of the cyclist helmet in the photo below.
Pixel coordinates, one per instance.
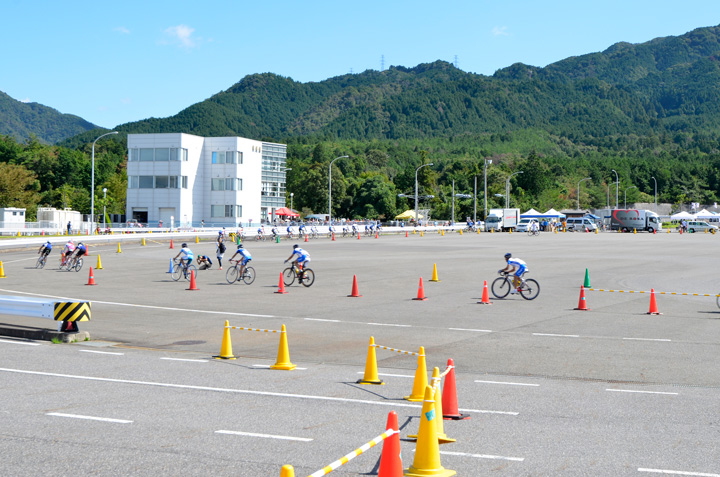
(240, 246)
(295, 246)
(70, 241)
(508, 255)
(184, 245)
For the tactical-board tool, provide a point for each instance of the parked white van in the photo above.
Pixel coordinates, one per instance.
(701, 226)
(579, 224)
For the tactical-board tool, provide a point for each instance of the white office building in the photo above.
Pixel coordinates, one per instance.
(183, 180)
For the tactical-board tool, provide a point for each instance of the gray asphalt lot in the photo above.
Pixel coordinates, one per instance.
(560, 392)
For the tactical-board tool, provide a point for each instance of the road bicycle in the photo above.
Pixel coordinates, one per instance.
(260, 237)
(305, 278)
(182, 269)
(233, 273)
(313, 234)
(533, 232)
(75, 263)
(41, 261)
(528, 289)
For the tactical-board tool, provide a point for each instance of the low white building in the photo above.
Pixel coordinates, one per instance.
(12, 217)
(186, 180)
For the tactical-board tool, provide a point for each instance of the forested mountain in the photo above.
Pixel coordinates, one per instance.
(22, 120)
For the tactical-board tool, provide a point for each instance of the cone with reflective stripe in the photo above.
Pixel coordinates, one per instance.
(99, 264)
(119, 250)
(582, 305)
(449, 396)
(91, 278)
(486, 296)
(287, 471)
(193, 286)
(2, 270)
(420, 379)
(427, 451)
(371, 371)
(281, 286)
(226, 345)
(421, 292)
(355, 292)
(437, 397)
(391, 460)
(283, 357)
(653, 304)
(434, 274)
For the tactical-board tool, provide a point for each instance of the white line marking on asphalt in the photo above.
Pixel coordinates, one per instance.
(391, 375)
(468, 329)
(640, 392)
(677, 472)
(26, 343)
(647, 339)
(510, 384)
(320, 319)
(482, 456)
(100, 352)
(237, 391)
(266, 436)
(389, 324)
(559, 336)
(90, 418)
(187, 360)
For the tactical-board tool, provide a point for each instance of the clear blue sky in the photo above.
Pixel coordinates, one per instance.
(116, 62)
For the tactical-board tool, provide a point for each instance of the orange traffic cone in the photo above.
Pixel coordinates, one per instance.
(171, 244)
(306, 237)
(486, 296)
(376, 235)
(449, 396)
(358, 235)
(193, 286)
(333, 237)
(390, 460)
(281, 286)
(406, 234)
(421, 292)
(653, 304)
(355, 292)
(91, 278)
(582, 305)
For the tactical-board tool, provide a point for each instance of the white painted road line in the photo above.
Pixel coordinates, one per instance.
(468, 329)
(677, 472)
(648, 339)
(187, 360)
(26, 343)
(509, 384)
(559, 336)
(389, 324)
(639, 392)
(320, 319)
(90, 418)
(100, 352)
(265, 436)
(483, 456)
(238, 391)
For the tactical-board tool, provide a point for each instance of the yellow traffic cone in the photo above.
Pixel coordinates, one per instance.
(197, 239)
(442, 232)
(510, 231)
(427, 451)
(119, 250)
(287, 471)
(226, 345)
(460, 231)
(283, 357)
(492, 230)
(99, 264)
(434, 275)
(2, 270)
(420, 379)
(635, 231)
(371, 371)
(143, 242)
(437, 396)
(596, 231)
(421, 233)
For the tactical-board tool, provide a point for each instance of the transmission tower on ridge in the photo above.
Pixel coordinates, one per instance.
(455, 63)
(382, 63)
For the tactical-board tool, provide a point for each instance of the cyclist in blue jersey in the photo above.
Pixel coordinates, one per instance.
(186, 253)
(80, 251)
(518, 266)
(45, 248)
(246, 257)
(302, 258)
(301, 230)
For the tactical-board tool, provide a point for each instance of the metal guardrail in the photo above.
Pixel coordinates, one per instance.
(62, 311)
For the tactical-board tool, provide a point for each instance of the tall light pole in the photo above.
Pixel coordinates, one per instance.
(92, 180)
(507, 188)
(416, 189)
(291, 199)
(582, 180)
(617, 187)
(104, 205)
(487, 162)
(330, 189)
(655, 193)
(631, 187)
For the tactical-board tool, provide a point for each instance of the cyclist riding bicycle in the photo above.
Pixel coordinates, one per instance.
(289, 231)
(301, 230)
(246, 257)
(187, 255)
(517, 265)
(261, 231)
(274, 231)
(302, 258)
(67, 250)
(314, 231)
(45, 248)
(80, 250)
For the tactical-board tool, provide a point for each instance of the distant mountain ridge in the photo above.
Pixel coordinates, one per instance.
(21, 120)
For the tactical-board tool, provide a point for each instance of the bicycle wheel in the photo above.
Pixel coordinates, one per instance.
(308, 277)
(191, 268)
(69, 265)
(40, 262)
(177, 272)
(231, 275)
(78, 264)
(288, 276)
(249, 275)
(530, 289)
(500, 287)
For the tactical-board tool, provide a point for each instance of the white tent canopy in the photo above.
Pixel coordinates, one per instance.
(552, 213)
(530, 214)
(682, 215)
(705, 214)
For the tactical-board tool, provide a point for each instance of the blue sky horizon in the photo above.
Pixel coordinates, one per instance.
(111, 64)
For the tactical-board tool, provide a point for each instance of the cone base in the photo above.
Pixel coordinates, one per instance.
(442, 472)
(654, 313)
(484, 303)
(420, 299)
(284, 366)
(355, 296)
(377, 383)
(224, 357)
(431, 280)
(414, 398)
(582, 309)
(441, 439)
(455, 417)
(281, 292)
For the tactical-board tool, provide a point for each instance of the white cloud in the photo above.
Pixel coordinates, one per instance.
(122, 29)
(500, 31)
(26, 100)
(181, 35)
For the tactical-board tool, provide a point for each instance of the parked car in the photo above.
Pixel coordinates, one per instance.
(701, 226)
(524, 224)
(579, 224)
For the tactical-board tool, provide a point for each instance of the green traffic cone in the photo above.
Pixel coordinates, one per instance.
(587, 279)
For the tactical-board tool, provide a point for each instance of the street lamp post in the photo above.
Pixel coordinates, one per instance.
(631, 187)
(92, 180)
(104, 205)
(329, 189)
(487, 162)
(507, 188)
(291, 200)
(578, 199)
(617, 186)
(655, 193)
(416, 189)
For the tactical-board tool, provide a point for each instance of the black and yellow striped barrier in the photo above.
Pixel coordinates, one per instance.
(657, 292)
(72, 311)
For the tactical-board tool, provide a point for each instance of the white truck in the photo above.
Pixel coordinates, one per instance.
(501, 220)
(630, 220)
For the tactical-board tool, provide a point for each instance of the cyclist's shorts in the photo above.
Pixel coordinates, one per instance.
(303, 259)
(521, 269)
(81, 252)
(46, 251)
(68, 253)
(246, 260)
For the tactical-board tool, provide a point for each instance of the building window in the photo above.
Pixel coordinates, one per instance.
(132, 155)
(146, 182)
(184, 182)
(184, 154)
(238, 211)
(240, 158)
(217, 211)
(147, 155)
(162, 154)
(218, 184)
(229, 209)
(174, 155)
(230, 157)
(172, 182)
(239, 184)
(229, 184)
(218, 157)
(161, 182)
(133, 182)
